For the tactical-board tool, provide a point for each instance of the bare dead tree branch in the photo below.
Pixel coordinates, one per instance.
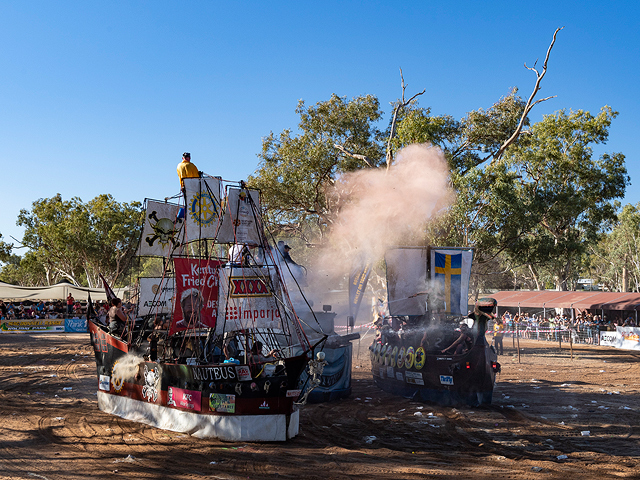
(349, 153)
(530, 103)
(403, 103)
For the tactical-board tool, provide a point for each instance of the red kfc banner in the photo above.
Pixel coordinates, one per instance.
(196, 304)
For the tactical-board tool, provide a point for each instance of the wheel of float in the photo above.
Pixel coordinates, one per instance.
(420, 358)
(401, 354)
(394, 355)
(408, 359)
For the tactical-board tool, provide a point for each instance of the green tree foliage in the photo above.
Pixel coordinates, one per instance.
(77, 241)
(466, 143)
(5, 250)
(296, 170)
(562, 196)
(26, 270)
(534, 207)
(615, 259)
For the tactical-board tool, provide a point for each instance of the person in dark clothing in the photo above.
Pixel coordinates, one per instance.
(117, 318)
(463, 343)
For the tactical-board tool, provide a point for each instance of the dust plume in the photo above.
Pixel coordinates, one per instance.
(127, 368)
(379, 209)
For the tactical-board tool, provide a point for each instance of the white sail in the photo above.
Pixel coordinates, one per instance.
(407, 280)
(248, 298)
(156, 295)
(161, 230)
(203, 211)
(240, 224)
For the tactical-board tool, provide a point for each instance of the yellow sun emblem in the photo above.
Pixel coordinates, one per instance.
(203, 209)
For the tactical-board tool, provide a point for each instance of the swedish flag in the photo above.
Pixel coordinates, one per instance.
(448, 273)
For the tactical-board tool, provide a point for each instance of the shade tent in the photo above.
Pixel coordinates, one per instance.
(587, 300)
(59, 291)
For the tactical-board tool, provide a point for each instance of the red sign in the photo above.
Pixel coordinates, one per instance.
(196, 304)
(249, 287)
(189, 399)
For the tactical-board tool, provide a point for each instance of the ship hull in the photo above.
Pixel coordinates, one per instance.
(466, 379)
(224, 401)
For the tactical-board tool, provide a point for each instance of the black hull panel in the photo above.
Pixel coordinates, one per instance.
(179, 396)
(448, 380)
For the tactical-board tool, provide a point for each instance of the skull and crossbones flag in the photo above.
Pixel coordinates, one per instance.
(162, 228)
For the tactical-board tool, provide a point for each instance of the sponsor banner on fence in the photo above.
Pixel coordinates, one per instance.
(627, 338)
(75, 325)
(41, 325)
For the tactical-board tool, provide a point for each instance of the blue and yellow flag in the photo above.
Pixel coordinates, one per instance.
(450, 272)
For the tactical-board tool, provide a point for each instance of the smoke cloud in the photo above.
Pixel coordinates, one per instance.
(379, 209)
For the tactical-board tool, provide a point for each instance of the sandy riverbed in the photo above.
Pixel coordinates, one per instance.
(51, 428)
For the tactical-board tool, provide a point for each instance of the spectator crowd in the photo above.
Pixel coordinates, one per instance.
(41, 310)
(584, 328)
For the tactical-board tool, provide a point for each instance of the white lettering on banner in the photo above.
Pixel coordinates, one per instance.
(188, 281)
(215, 373)
(237, 313)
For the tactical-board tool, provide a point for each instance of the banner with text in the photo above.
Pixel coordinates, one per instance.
(247, 297)
(626, 338)
(196, 305)
(156, 295)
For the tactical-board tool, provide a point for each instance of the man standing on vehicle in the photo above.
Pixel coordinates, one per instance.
(186, 169)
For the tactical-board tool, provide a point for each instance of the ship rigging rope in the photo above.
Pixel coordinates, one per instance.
(285, 308)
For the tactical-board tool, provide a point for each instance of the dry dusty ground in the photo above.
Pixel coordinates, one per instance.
(50, 427)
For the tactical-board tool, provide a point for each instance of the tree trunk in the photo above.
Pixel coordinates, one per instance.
(534, 274)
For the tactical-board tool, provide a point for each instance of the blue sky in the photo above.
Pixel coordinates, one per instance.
(103, 97)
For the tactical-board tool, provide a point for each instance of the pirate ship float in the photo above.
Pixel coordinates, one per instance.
(414, 353)
(192, 360)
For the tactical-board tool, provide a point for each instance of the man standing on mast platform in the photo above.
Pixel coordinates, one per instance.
(186, 169)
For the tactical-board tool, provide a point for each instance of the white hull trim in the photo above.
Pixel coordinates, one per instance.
(231, 428)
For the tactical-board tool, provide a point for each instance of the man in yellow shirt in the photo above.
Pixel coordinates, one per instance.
(186, 169)
(498, 332)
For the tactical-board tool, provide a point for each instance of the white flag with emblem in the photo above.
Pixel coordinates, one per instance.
(203, 213)
(162, 229)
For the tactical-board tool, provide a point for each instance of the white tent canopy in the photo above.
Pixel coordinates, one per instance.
(54, 292)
